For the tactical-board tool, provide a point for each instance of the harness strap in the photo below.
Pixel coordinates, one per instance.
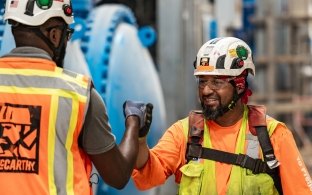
(266, 147)
(269, 156)
(195, 151)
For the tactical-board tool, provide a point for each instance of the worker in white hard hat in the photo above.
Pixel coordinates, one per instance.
(69, 131)
(227, 147)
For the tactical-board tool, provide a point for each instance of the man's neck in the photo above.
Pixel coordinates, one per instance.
(232, 116)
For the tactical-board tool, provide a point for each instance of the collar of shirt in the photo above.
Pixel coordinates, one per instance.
(31, 52)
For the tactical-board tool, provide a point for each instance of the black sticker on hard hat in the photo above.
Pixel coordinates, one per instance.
(19, 138)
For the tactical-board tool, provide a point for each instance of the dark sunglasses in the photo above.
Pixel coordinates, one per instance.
(69, 31)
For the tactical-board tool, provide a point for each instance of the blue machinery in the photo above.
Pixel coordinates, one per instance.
(108, 46)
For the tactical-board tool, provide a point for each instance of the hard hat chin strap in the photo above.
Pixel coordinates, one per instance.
(236, 96)
(57, 51)
(232, 104)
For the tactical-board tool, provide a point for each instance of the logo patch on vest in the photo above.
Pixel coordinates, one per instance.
(19, 138)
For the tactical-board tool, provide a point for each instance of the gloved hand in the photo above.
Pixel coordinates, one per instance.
(144, 112)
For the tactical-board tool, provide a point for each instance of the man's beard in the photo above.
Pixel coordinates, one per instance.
(212, 113)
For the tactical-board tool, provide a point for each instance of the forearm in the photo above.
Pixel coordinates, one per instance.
(115, 166)
(129, 147)
(163, 160)
(143, 153)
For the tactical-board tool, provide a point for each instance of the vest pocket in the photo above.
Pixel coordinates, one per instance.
(191, 178)
(261, 184)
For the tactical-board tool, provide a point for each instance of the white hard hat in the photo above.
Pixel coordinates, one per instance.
(226, 56)
(37, 12)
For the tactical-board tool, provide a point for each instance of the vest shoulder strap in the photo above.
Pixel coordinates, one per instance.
(256, 117)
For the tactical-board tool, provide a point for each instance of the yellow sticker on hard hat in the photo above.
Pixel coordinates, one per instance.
(232, 53)
(205, 68)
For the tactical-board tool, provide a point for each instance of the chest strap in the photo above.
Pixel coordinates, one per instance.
(195, 151)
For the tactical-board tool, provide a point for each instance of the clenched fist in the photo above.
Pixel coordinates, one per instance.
(141, 110)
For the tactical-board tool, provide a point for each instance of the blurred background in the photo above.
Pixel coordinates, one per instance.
(144, 50)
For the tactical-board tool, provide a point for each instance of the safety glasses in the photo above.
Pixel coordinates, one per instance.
(214, 83)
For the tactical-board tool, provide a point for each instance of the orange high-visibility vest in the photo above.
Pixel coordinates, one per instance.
(42, 111)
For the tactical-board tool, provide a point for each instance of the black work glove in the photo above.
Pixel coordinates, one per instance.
(141, 110)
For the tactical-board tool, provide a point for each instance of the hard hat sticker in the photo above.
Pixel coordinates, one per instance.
(232, 53)
(68, 10)
(14, 4)
(204, 61)
(44, 4)
(242, 52)
(205, 68)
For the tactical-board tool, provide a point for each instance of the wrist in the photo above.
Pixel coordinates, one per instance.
(142, 140)
(133, 121)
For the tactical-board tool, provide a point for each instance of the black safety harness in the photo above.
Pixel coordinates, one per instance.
(257, 126)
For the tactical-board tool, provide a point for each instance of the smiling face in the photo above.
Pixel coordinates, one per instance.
(215, 94)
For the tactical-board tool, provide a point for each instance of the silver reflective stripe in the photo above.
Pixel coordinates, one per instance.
(60, 155)
(252, 146)
(39, 82)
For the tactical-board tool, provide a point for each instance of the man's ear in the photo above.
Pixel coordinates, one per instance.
(239, 90)
(55, 36)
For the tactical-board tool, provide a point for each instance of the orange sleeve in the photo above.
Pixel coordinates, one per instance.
(165, 159)
(295, 177)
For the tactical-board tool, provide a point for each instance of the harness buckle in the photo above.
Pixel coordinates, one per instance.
(271, 161)
(194, 151)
